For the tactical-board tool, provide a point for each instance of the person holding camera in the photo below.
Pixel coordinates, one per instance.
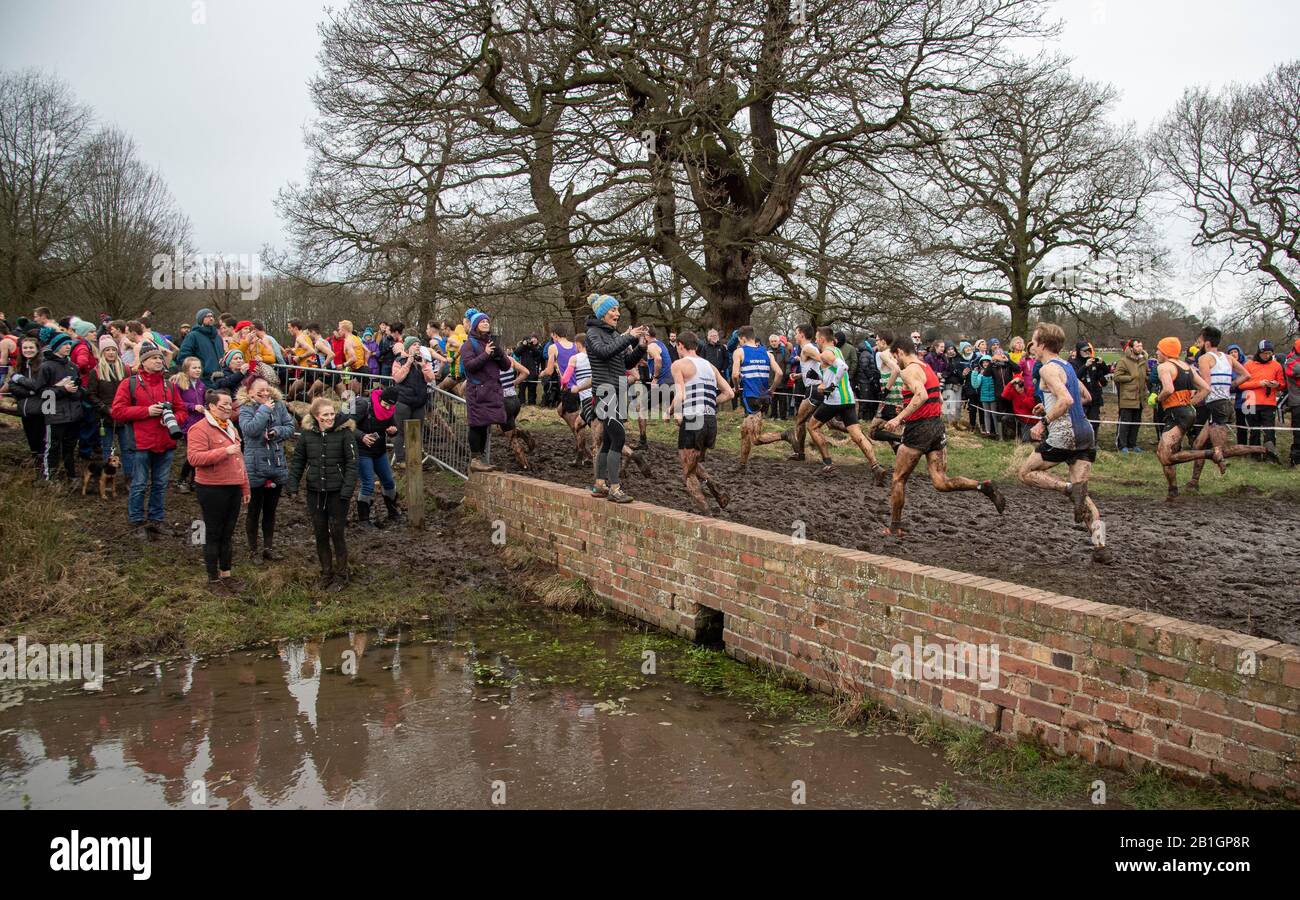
(412, 374)
(213, 448)
(326, 454)
(1094, 374)
(152, 406)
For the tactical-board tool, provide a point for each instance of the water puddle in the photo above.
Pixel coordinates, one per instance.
(534, 709)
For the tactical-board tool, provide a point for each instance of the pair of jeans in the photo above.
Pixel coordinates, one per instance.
(150, 472)
(371, 467)
(220, 505)
(1127, 436)
(262, 503)
(125, 437)
(88, 434)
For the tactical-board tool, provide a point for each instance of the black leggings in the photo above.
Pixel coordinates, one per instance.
(610, 457)
(478, 438)
(329, 519)
(261, 505)
(34, 430)
(220, 505)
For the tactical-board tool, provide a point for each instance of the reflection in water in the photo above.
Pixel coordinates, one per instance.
(408, 719)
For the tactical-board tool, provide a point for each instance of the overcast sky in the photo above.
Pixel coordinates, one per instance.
(219, 105)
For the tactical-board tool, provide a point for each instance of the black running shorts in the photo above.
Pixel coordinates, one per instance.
(846, 413)
(569, 402)
(925, 435)
(1220, 412)
(1180, 417)
(698, 434)
(1060, 455)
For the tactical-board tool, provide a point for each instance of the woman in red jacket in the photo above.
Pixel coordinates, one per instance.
(220, 484)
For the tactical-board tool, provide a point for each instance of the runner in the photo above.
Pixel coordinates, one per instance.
(809, 361)
(755, 369)
(577, 378)
(700, 387)
(1181, 387)
(838, 402)
(520, 441)
(1217, 368)
(921, 422)
(558, 356)
(659, 363)
(1066, 434)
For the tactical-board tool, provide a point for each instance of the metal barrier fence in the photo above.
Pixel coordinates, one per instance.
(297, 381)
(446, 433)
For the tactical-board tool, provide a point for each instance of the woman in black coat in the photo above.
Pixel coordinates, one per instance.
(327, 456)
(59, 391)
(484, 361)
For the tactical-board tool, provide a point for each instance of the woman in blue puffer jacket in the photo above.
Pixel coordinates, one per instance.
(981, 381)
(265, 423)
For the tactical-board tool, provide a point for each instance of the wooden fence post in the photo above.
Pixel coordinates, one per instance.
(414, 473)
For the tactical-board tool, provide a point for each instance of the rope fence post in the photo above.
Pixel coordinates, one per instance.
(414, 476)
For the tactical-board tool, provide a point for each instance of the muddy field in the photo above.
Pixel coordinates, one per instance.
(1232, 563)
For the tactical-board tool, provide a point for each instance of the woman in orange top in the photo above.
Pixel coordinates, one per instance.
(1261, 390)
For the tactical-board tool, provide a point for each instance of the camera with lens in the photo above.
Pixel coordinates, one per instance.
(169, 421)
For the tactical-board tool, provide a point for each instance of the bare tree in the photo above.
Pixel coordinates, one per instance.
(126, 217)
(1234, 158)
(1028, 198)
(743, 97)
(42, 132)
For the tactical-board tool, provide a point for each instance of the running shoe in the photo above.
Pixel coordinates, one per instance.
(618, 495)
(990, 490)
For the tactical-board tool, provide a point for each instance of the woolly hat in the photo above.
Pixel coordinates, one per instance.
(148, 351)
(601, 304)
(963, 347)
(1171, 347)
(1265, 344)
(58, 341)
(240, 326)
(82, 327)
(469, 313)
(409, 341)
(475, 319)
(229, 358)
(389, 394)
(106, 341)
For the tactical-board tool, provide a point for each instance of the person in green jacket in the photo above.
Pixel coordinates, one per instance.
(1130, 377)
(327, 455)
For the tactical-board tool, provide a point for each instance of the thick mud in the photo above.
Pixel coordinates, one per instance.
(447, 715)
(1233, 563)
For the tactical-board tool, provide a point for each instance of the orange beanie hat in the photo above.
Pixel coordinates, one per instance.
(1171, 347)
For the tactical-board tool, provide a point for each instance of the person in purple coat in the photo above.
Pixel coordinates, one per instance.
(193, 393)
(484, 359)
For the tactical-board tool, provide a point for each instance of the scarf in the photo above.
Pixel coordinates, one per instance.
(223, 424)
(381, 414)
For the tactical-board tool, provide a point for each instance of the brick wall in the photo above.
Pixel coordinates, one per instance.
(1114, 685)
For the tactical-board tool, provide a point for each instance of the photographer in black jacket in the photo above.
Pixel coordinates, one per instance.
(529, 354)
(1094, 374)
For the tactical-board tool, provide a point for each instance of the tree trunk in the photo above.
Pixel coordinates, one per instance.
(729, 301)
(1019, 320)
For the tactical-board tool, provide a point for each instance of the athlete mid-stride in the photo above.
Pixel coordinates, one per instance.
(755, 369)
(1181, 389)
(700, 387)
(558, 355)
(1066, 434)
(838, 402)
(921, 422)
(1222, 372)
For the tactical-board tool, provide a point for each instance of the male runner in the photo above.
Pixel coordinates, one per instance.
(1181, 388)
(699, 389)
(659, 362)
(558, 355)
(577, 378)
(838, 402)
(1066, 434)
(921, 422)
(1217, 369)
(520, 441)
(755, 369)
(809, 375)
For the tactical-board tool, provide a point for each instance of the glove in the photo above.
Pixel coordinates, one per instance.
(1151, 399)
